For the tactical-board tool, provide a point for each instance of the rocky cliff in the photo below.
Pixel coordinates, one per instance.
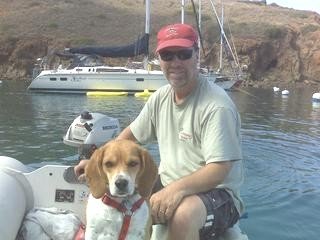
(277, 45)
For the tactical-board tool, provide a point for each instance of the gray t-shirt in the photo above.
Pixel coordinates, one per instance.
(205, 128)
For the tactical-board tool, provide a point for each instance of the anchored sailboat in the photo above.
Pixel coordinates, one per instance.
(236, 71)
(234, 77)
(90, 77)
(86, 77)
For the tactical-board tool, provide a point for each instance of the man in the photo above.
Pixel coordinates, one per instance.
(197, 128)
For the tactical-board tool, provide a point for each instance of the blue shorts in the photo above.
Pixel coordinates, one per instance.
(221, 213)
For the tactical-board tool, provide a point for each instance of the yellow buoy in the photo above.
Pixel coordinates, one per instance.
(145, 93)
(96, 94)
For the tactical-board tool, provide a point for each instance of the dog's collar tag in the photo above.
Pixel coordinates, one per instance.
(128, 213)
(126, 204)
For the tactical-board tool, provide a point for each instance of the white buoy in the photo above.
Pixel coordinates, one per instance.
(316, 97)
(285, 92)
(276, 89)
(0, 82)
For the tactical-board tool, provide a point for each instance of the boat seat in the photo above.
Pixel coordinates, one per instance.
(159, 232)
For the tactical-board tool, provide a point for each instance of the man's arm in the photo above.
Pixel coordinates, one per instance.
(126, 134)
(204, 179)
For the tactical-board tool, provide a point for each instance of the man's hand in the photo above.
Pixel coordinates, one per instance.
(164, 203)
(79, 170)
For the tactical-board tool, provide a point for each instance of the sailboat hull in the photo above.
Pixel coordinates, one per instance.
(85, 79)
(106, 79)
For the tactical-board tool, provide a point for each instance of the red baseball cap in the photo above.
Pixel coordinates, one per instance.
(176, 35)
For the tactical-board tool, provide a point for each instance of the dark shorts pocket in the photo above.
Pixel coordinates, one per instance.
(221, 213)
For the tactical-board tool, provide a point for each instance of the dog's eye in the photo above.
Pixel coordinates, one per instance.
(132, 164)
(108, 164)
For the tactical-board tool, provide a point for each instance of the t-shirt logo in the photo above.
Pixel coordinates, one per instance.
(185, 136)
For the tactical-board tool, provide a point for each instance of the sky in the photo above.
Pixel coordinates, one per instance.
(313, 5)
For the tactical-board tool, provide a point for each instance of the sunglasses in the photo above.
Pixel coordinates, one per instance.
(182, 55)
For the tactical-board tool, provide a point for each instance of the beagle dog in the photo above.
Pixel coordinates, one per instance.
(120, 175)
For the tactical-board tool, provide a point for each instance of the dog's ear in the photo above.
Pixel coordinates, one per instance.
(147, 175)
(95, 176)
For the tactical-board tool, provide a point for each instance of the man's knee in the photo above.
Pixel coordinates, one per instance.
(190, 214)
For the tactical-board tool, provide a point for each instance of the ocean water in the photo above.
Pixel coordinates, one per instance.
(281, 147)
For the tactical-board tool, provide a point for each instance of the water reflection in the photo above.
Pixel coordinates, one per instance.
(316, 105)
(281, 138)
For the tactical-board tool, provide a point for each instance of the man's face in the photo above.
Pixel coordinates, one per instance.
(179, 65)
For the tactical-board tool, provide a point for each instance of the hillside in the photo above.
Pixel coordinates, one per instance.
(278, 45)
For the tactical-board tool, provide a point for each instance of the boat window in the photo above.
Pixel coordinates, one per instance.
(222, 79)
(111, 70)
(139, 79)
(78, 69)
(53, 79)
(63, 79)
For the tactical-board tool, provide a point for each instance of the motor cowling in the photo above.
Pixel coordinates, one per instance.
(89, 131)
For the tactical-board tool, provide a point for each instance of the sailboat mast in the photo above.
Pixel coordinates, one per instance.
(221, 40)
(182, 11)
(199, 27)
(147, 31)
(147, 23)
(222, 30)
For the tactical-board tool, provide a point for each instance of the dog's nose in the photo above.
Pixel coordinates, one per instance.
(121, 184)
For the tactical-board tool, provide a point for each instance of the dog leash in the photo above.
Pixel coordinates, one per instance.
(125, 211)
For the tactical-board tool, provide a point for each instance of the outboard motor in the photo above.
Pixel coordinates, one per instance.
(89, 131)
